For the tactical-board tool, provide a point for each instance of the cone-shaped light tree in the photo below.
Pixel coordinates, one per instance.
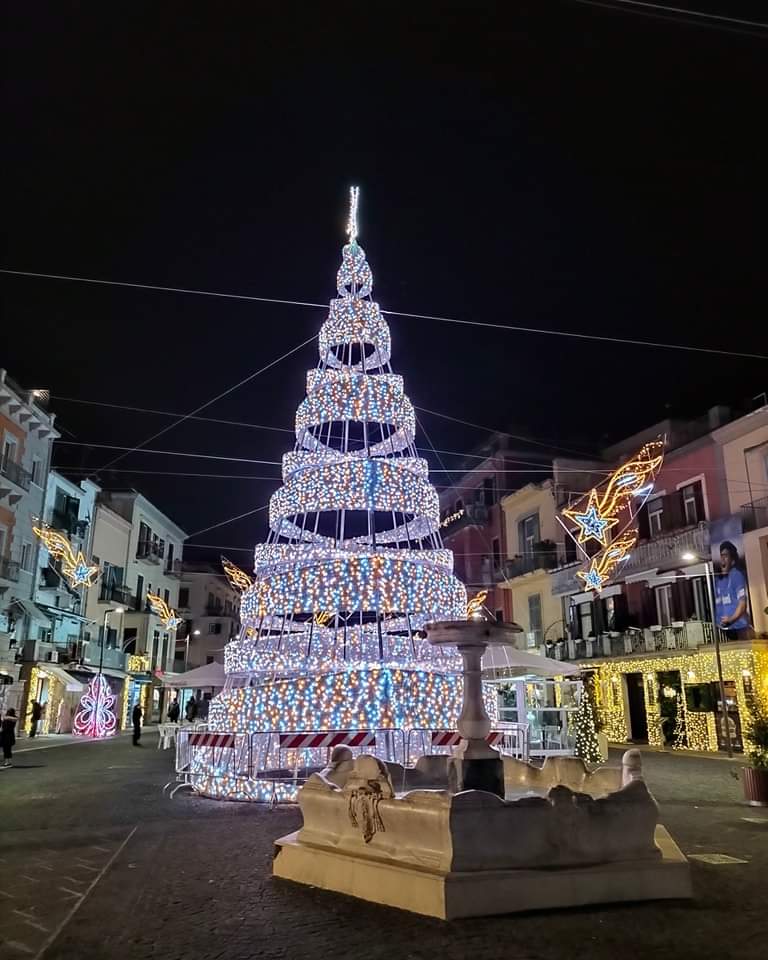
(354, 566)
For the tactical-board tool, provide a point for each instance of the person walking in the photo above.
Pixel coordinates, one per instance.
(136, 718)
(174, 710)
(191, 709)
(8, 736)
(37, 713)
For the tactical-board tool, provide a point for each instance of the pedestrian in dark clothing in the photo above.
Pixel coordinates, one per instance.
(37, 712)
(173, 711)
(191, 710)
(8, 736)
(136, 718)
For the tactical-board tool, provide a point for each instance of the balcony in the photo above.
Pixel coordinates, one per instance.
(544, 557)
(9, 570)
(475, 514)
(149, 552)
(665, 549)
(173, 569)
(637, 642)
(114, 659)
(754, 515)
(68, 523)
(111, 593)
(16, 474)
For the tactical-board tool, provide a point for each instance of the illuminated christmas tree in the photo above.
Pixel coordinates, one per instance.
(95, 715)
(586, 745)
(354, 566)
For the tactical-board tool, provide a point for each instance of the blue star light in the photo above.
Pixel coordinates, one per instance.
(592, 524)
(593, 580)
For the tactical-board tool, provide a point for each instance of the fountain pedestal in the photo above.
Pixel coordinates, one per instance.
(475, 764)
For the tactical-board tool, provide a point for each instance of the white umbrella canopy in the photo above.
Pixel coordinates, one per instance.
(210, 675)
(520, 663)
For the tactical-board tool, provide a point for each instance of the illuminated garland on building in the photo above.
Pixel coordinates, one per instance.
(353, 567)
(74, 566)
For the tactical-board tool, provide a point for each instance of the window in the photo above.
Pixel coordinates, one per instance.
(170, 556)
(655, 517)
(693, 503)
(701, 599)
(2, 542)
(26, 556)
(44, 634)
(528, 534)
(489, 491)
(161, 548)
(535, 626)
(211, 600)
(499, 616)
(584, 621)
(139, 592)
(145, 539)
(37, 470)
(155, 646)
(214, 628)
(9, 451)
(208, 660)
(167, 596)
(459, 505)
(165, 651)
(664, 604)
(184, 597)
(570, 548)
(496, 553)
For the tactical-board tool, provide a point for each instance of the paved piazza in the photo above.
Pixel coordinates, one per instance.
(96, 863)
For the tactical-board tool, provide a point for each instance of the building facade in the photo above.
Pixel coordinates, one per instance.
(26, 440)
(473, 524)
(211, 610)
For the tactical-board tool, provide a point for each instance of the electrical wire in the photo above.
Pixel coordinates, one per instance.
(396, 313)
(223, 523)
(668, 13)
(170, 453)
(208, 403)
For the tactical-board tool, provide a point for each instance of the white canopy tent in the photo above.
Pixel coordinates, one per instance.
(520, 663)
(209, 676)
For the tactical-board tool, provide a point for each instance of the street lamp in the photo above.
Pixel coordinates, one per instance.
(107, 612)
(194, 633)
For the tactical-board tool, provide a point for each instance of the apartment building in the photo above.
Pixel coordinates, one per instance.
(26, 438)
(211, 610)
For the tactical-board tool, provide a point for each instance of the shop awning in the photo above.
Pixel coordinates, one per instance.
(60, 614)
(107, 671)
(72, 684)
(32, 610)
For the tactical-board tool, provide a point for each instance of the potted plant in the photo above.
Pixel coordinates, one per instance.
(755, 775)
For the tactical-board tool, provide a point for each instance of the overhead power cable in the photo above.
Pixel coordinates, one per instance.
(170, 453)
(395, 313)
(660, 11)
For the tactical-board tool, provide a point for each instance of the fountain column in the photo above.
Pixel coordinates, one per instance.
(475, 765)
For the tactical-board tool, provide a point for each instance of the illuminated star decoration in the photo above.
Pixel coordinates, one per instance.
(592, 525)
(238, 578)
(95, 716)
(74, 567)
(602, 565)
(167, 616)
(475, 605)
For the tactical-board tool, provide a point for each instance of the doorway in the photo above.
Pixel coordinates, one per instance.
(638, 718)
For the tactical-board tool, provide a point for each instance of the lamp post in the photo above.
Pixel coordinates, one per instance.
(101, 653)
(194, 633)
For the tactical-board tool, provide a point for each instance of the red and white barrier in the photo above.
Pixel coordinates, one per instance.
(217, 740)
(306, 740)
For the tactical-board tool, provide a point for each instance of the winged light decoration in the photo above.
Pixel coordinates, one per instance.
(167, 616)
(74, 566)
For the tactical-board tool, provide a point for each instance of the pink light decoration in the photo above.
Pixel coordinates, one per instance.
(95, 716)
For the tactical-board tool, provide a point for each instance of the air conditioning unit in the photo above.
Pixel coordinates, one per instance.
(53, 656)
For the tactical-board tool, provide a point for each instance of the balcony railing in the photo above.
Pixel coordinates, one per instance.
(667, 548)
(16, 474)
(9, 570)
(544, 557)
(473, 514)
(173, 569)
(111, 593)
(114, 659)
(690, 635)
(754, 515)
(149, 551)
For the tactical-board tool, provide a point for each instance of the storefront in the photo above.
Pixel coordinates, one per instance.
(138, 685)
(58, 692)
(674, 700)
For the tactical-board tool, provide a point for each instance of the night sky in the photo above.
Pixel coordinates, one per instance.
(547, 164)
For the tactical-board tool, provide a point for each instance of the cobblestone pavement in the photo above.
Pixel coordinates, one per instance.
(193, 880)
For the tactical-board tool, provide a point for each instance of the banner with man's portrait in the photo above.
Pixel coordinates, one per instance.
(730, 577)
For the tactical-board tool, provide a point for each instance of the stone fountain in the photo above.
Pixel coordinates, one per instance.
(505, 836)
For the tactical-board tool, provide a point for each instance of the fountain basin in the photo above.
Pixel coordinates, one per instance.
(472, 853)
